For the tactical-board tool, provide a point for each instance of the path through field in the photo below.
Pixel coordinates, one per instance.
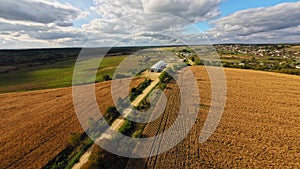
(139, 99)
(85, 157)
(35, 126)
(120, 121)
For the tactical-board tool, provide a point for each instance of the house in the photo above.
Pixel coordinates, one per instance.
(159, 66)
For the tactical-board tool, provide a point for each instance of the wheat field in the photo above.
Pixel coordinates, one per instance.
(259, 127)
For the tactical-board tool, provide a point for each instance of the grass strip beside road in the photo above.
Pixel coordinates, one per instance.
(121, 124)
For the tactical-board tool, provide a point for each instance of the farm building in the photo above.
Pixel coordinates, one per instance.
(159, 66)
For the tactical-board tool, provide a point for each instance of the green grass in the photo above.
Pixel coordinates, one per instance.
(51, 76)
(125, 127)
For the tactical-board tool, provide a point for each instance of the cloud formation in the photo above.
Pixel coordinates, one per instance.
(51, 21)
(114, 13)
(40, 21)
(146, 21)
(270, 24)
(40, 11)
(191, 10)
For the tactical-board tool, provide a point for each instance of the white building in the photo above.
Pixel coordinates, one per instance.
(159, 66)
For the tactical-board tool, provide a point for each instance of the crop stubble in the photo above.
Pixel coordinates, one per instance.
(35, 126)
(259, 127)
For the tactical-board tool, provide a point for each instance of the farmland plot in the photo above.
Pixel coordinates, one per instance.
(35, 126)
(259, 127)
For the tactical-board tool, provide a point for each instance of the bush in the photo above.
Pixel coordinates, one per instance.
(165, 77)
(111, 114)
(106, 77)
(163, 86)
(100, 158)
(139, 90)
(199, 62)
(137, 134)
(74, 160)
(126, 127)
(74, 139)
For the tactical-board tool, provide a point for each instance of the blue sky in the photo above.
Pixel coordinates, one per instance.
(231, 6)
(69, 23)
(227, 7)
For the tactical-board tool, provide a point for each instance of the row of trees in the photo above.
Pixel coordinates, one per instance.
(135, 91)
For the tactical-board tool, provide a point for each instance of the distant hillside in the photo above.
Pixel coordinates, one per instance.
(33, 57)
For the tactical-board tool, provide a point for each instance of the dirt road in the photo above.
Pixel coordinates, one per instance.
(120, 121)
(138, 100)
(85, 157)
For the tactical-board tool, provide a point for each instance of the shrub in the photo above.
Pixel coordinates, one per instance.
(139, 90)
(137, 134)
(111, 114)
(165, 77)
(74, 139)
(125, 128)
(74, 160)
(106, 77)
(163, 86)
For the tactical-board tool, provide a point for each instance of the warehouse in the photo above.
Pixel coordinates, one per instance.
(159, 66)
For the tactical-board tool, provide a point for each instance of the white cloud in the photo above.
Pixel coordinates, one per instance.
(32, 23)
(51, 21)
(143, 17)
(270, 24)
(144, 21)
(40, 11)
(116, 9)
(191, 10)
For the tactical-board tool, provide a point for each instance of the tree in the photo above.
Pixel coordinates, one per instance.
(163, 86)
(133, 90)
(74, 139)
(253, 60)
(111, 114)
(111, 110)
(106, 77)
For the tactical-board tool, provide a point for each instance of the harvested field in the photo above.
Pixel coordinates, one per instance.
(259, 128)
(35, 126)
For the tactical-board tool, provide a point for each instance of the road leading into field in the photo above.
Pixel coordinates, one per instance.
(121, 120)
(85, 157)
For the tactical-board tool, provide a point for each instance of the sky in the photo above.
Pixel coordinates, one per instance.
(96, 23)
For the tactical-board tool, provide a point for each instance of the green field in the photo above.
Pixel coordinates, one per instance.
(51, 76)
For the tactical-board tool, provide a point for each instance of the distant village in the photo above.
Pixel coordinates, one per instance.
(275, 58)
(259, 50)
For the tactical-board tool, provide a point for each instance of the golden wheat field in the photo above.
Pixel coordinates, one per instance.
(259, 127)
(35, 126)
